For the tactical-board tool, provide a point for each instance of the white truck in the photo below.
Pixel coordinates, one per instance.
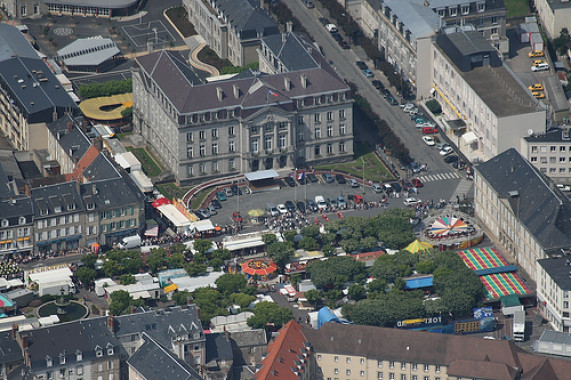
(320, 202)
(55, 288)
(130, 242)
(519, 325)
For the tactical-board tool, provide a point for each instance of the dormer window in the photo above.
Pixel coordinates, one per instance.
(481, 7)
(78, 355)
(62, 358)
(5, 223)
(71, 207)
(465, 9)
(57, 209)
(49, 361)
(453, 11)
(91, 206)
(98, 351)
(109, 349)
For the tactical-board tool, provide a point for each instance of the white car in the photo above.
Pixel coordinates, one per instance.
(331, 28)
(412, 201)
(564, 187)
(353, 182)
(429, 140)
(377, 188)
(446, 151)
(282, 208)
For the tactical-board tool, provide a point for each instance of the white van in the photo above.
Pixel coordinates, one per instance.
(540, 67)
(129, 242)
(320, 202)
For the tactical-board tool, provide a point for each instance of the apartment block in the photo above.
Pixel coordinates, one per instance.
(554, 291)
(550, 153)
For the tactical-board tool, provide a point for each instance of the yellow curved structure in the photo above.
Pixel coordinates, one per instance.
(95, 108)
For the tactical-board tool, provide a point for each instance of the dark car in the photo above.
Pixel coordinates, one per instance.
(216, 204)
(336, 36)
(221, 196)
(396, 187)
(236, 190)
(362, 65)
(378, 84)
(407, 185)
(323, 21)
(344, 44)
(392, 101)
(301, 207)
(385, 92)
(459, 164)
(311, 205)
(451, 158)
(308, 4)
(328, 178)
(312, 178)
(290, 181)
(340, 179)
(290, 206)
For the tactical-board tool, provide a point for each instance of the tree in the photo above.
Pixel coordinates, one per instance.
(127, 113)
(222, 254)
(369, 243)
(425, 266)
(194, 269)
(120, 302)
(561, 43)
(310, 231)
(295, 279)
(385, 268)
(181, 298)
(127, 279)
(356, 292)
(176, 260)
(269, 239)
(242, 299)
(289, 235)
(328, 238)
(308, 243)
(202, 246)
(313, 296)
(350, 245)
(269, 313)
(231, 283)
(89, 260)
(111, 268)
(334, 271)
(156, 259)
(280, 253)
(86, 275)
(211, 303)
(328, 250)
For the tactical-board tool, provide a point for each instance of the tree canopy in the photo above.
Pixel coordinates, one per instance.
(280, 253)
(112, 87)
(334, 272)
(266, 312)
(231, 283)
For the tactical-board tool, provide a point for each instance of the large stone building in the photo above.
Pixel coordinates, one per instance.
(554, 291)
(490, 108)
(550, 153)
(250, 122)
(232, 28)
(30, 94)
(367, 352)
(99, 8)
(554, 15)
(524, 212)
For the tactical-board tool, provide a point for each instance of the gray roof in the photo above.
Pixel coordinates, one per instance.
(111, 193)
(154, 361)
(28, 79)
(469, 42)
(556, 337)
(249, 338)
(101, 169)
(553, 136)
(60, 195)
(163, 325)
(292, 52)
(543, 210)
(88, 51)
(247, 16)
(5, 190)
(111, 4)
(254, 91)
(68, 338)
(74, 142)
(218, 347)
(14, 209)
(558, 269)
(420, 20)
(10, 351)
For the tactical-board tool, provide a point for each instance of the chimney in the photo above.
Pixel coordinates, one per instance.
(24, 342)
(289, 26)
(111, 323)
(93, 189)
(236, 91)
(27, 190)
(27, 359)
(198, 311)
(303, 81)
(287, 83)
(219, 93)
(227, 334)
(69, 126)
(284, 37)
(14, 330)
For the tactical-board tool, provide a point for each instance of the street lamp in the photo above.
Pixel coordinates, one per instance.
(363, 161)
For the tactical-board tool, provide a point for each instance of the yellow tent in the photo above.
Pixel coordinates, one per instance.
(170, 288)
(417, 246)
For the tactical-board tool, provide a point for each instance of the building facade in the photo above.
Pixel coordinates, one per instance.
(467, 71)
(554, 291)
(528, 216)
(554, 15)
(251, 122)
(21, 9)
(233, 29)
(16, 228)
(550, 153)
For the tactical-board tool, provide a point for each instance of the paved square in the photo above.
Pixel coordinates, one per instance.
(154, 31)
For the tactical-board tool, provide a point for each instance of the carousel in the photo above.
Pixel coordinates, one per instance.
(449, 231)
(265, 269)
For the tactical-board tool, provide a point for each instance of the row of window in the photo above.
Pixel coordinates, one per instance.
(116, 213)
(9, 234)
(554, 171)
(6, 222)
(58, 232)
(254, 146)
(552, 159)
(414, 366)
(91, 11)
(108, 227)
(52, 222)
(8, 245)
(552, 148)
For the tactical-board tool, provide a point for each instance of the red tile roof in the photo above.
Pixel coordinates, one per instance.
(284, 354)
(84, 163)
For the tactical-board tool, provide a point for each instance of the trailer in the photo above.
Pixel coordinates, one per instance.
(55, 288)
(519, 325)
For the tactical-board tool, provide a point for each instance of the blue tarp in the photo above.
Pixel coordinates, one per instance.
(419, 282)
(496, 270)
(325, 315)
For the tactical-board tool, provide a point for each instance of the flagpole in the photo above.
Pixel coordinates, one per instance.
(305, 186)
(295, 189)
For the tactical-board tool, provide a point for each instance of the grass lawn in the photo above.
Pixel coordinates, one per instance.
(172, 191)
(179, 17)
(375, 170)
(517, 8)
(199, 198)
(150, 167)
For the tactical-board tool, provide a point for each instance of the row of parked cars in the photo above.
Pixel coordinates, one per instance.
(377, 83)
(332, 28)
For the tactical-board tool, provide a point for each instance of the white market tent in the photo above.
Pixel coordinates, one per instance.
(177, 218)
(128, 161)
(203, 225)
(261, 174)
(190, 284)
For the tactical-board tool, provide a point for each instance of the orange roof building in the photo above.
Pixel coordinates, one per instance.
(288, 357)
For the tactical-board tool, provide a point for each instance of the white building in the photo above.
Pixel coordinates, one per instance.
(554, 291)
(550, 153)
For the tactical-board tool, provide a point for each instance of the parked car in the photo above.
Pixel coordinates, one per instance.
(236, 190)
(328, 178)
(543, 66)
(216, 204)
(428, 140)
(388, 188)
(344, 44)
(378, 84)
(302, 181)
(412, 201)
(446, 150)
(353, 182)
(538, 94)
(441, 146)
(417, 182)
(290, 206)
(211, 209)
(237, 217)
(564, 188)
(536, 87)
(202, 213)
(450, 159)
(312, 178)
(357, 198)
(396, 187)
(311, 205)
(340, 179)
(459, 164)
(220, 195)
(331, 28)
(362, 65)
(336, 36)
(368, 73)
(535, 54)
(308, 4)
(377, 188)
(301, 207)
(415, 167)
(429, 130)
(341, 202)
(289, 181)
(333, 202)
(392, 101)
(282, 208)
(407, 185)
(228, 192)
(323, 21)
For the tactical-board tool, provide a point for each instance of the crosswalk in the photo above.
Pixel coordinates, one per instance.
(439, 177)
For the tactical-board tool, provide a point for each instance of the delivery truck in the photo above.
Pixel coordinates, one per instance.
(519, 325)
(130, 242)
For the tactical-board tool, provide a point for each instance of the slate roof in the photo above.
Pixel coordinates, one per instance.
(543, 210)
(246, 15)
(420, 20)
(50, 197)
(249, 338)
(69, 338)
(558, 269)
(5, 190)
(163, 325)
(283, 353)
(28, 79)
(111, 193)
(254, 90)
(553, 136)
(74, 142)
(10, 351)
(469, 42)
(218, 347)
(13, 210)
(292, 52)
(463, 355)
(153, 361)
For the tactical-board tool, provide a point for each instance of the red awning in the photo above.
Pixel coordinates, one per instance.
(161, 201)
